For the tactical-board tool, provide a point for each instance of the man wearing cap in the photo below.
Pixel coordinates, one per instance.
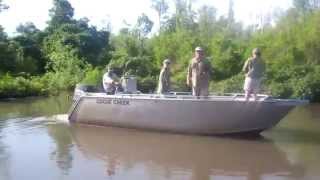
(199, 73)
(254, 69)
(164, 78)
(110, 81)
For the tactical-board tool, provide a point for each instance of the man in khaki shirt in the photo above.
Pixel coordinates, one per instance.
(199, 73)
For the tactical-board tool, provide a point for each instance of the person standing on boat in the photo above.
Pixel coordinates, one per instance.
(164, 78)
(254, 69)
(110, 81)
(199, 73)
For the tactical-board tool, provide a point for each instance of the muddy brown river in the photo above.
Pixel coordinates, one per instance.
(37, 142)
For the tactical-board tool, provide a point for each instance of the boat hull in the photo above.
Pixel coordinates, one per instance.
(195, 116)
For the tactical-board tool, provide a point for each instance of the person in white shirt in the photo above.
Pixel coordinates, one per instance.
(110, 81)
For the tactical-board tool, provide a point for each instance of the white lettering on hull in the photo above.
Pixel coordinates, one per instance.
(123, 102)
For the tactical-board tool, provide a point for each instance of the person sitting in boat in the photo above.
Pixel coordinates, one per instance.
(111, 81)
(254, 69)
(164, 78)
(199, 73)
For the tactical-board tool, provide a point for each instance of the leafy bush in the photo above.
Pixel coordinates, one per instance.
(93, 77)
(309, 86)
(280, 90)
(179, 82)
(147, 85)
(21, 87)
(231, 85)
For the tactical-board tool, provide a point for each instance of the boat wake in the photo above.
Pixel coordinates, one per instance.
(58, 118)
(32, 124)
(40, 120)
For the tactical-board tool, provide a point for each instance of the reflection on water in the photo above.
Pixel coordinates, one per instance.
(36, 142)
(62, 153)
(189, 156)
(4, 166)
(298, 135)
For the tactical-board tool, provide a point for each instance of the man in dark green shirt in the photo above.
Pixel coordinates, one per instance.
(164, 78)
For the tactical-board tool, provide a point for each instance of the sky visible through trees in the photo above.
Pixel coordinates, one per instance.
(70, 50)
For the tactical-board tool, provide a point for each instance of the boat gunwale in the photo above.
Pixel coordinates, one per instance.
(212, 98)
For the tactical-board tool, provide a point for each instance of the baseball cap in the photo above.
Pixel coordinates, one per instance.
(198, 48)
(167, 61)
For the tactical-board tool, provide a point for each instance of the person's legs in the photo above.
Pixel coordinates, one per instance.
(254, 96)
(204, 91)
(246, 88)
(118, 89)
(195, 91)
(247, 95)
(255, 88)
(112, 89)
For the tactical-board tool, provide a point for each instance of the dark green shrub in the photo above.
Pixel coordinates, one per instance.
(147, 85)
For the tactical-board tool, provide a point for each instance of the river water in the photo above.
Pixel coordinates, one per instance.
(37, 142)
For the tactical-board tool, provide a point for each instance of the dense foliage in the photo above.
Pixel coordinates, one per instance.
(70, 51)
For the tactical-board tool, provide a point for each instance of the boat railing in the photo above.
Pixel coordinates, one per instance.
(260, 97)
(185, 95)
(237, 97)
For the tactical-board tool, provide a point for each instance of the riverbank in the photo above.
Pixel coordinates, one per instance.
(20, 87)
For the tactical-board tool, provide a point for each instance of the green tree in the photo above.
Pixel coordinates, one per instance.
(206, 24)
(161, 6)
(184, 15)
(29, 57)
(61, 13)
(3, 35)
(65, 68)
(7, 54)
(306, 6)
(91, 44)
(144, 25)
(142, 29)
(231, 12)
(27, 29)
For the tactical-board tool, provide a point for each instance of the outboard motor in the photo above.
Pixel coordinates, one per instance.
(82, 89)
(129, 84)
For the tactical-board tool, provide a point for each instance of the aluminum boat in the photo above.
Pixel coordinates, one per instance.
(180, 112)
